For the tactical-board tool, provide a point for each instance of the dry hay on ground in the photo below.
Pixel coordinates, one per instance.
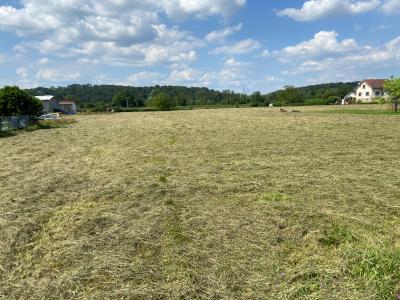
(211, 204)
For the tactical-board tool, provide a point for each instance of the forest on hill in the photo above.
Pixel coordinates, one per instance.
(99, 97)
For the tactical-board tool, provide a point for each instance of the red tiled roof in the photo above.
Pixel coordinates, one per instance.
(375, 83)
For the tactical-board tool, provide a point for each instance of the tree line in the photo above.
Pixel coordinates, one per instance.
(14, 101)
(101, 97)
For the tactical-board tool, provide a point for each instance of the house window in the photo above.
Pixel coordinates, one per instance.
(367, 94)
(377, 93)
(359, 94)
(363, 86)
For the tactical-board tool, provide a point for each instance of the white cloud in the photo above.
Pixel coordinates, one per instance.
(43, 61)
(200, 8)
(183, 77)
(231, 62)
(241, 47)
(23, 21)
(391, 7)
(219, 36)
(22, 72)
(120, 19)
(323, 43)
(56, 75)
(364, 62)
(117, 32)
(270, 78)
(265, 53)
(146, 78)
(319, 9)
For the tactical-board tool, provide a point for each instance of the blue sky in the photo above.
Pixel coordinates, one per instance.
(243, 45)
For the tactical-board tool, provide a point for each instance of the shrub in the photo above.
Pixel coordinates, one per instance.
(14, 101)
(161, 101)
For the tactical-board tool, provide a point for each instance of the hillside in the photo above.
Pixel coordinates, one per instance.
(92, 96)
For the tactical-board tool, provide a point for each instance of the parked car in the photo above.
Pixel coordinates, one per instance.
(53, 116)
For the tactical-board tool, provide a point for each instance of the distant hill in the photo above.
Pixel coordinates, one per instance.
(327, 93)
(88, 96)
(101, 96)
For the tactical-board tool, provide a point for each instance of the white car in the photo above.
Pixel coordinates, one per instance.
(50, 117)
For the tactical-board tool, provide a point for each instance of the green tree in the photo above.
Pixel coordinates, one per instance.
(256, 99)
(124, 98)
(290, 95)
(14, 101)
(162, 101)
(392, 87)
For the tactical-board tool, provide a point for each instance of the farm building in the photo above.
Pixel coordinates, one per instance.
(367, 91)
(51, 104)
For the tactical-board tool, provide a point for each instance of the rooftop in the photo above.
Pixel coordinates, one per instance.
(375, 83)
(45, 98)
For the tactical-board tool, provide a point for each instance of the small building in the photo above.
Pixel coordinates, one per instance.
(51, 104)
(67, 106)
(369, 89)
(48, 102)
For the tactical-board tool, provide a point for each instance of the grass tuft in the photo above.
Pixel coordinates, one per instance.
(335, 234)
(273, 197)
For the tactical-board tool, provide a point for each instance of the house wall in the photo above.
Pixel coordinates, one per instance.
(68, 108)
(48, 106)
(367, 94)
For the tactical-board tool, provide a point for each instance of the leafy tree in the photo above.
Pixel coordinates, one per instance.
(124, 98)
(290, 95)
(393, 88)
(162, 101)
(256, 99)
(14, 101)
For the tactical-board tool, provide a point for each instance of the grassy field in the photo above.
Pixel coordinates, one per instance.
(203, 204)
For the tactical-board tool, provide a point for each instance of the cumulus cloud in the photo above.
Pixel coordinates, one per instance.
(219, 36)
(241, 47)
(231, 62)
(146, 78)
(365, 61)
(55, 75)
(118, 32)
(319, 9)
(323, 43)
(200, 8)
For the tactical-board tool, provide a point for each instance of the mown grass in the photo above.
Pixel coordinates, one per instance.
(50, 124)
(203, 204)
(41, 124)
(362, 111)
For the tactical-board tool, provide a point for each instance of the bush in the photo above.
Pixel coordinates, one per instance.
(14, 101)
(161, 101)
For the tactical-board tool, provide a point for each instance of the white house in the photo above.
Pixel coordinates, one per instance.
(367, 91)
(48, 102)
(51, 104)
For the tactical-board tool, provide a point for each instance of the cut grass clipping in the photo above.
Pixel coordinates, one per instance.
(203, 204)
